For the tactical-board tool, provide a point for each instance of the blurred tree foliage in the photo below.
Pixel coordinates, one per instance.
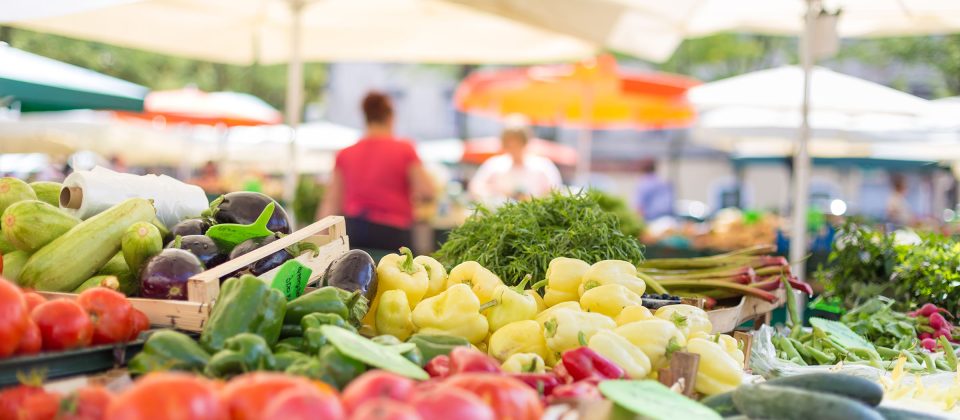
(725, 55)
(158, 71)
(942, 53)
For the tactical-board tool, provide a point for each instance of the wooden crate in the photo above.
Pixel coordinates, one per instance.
(725, 320)
(329, 234)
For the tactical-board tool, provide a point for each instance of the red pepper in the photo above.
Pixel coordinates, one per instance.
(465, 359)
(581, 390)
(544, 383)
(439, 366)
(583, 363)
(561, 373)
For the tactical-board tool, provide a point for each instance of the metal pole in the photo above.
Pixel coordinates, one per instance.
(294, 103)
(801, 166)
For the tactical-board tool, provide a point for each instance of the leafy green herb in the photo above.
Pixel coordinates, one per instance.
(521, 238)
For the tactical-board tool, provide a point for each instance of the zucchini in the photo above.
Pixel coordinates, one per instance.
(109, 282)
(129, 284)
(75, 256)
(6, 246)
(890, 413)
(860, 389)
(31, 224)
(141, 241)
(722, 404)
(13, 190)
(12, 265)
(786, 403)
(48, 192)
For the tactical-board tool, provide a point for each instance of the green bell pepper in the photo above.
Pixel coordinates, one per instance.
(409, 351)
(169, 350)
(242, 353)
(331, 367)
(313, 338)
(290, 330)
(431, 346)
(245, 305)
(351, 306)
(288, 344)
(287, 358)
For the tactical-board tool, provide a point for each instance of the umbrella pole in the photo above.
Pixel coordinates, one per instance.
(294, 103)
(801, 166)
(585, 139)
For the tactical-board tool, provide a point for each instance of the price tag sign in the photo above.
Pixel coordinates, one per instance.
(229, 235)
(292, 279)
(652, 400)
(841, 333)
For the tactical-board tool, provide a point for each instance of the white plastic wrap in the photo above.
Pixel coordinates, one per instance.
(102, 188)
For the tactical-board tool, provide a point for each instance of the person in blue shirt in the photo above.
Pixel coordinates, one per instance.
(654, 196)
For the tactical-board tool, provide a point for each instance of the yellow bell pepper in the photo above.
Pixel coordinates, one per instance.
(393, 315)
(718, 371)
(524, 363)
(537, 298)
(544, 315)
(633, 313)
(509, 304)
(518, 337)
(609, 299)
(436, 275)
(563, 279)
(455, 311)
(621, 352)
(688, 318)
(398, 272)
(729, 344)
(482, 281)
(655, 337)
(612, 271)
(568, 329)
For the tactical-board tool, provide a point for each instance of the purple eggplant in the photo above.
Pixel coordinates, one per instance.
(203, 247)
(190, 227)
(244, 207)
(264, 264)
(165, 275)
(354, 270)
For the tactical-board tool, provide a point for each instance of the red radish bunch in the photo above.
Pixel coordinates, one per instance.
(932, 325)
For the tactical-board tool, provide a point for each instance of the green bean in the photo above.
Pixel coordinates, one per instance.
(929, 363)
(800, 348)
(942, 364)
(887, 353)
(948, 353)
(821, 357)
(792, 352)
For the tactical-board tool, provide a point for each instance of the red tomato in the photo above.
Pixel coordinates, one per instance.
(13, 317)
(451, 403)
(30, 342)
(33, 299)
(168, 395)
(509, 398)
(376, 384)
(110, 313)
(385, 409)
(301, 403)
(138, 324)
(11, 399)
(39, 406)
(89, 403)
(63, 325)
(247, 396)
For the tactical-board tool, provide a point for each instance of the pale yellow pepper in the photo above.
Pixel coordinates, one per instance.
(563, 280)
(398, 272)
(483, 282)
(541, 306)
(688, 318)
(621, 352)
(524, 363)
(455, 311)
(718, 371)
(655, 337)
(730, 345)
(609, 299)
(612, 271)
(544, 315)
(568, 329)
(393, 315)
(509, 304)
(632, 314)
(518, 337)
(436, 275)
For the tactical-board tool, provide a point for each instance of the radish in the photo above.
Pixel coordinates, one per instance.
(929, 344)
(937, 321)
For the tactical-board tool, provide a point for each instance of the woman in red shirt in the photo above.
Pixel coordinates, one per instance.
(376, 181)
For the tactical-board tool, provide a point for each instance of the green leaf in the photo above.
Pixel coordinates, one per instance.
(376, 355)
(652, 400)
(841, 334)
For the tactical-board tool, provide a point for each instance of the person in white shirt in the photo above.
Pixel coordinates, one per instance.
(516, 174)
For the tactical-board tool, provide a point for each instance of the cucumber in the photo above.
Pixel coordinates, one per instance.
(890, 413)
(109, 282)
(12, 265)
(141, 241)
(129, 284)
(722, 404)
(31, 224)
(75, 256)
(13, 190)
(48, 192)
(6, 246)
(786, 403)
(860, 389)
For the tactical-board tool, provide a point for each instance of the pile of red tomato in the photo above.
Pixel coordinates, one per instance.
(376, 394)
(30, 323)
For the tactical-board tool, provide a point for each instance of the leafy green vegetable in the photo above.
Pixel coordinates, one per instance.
(521, 238)
(876, 321)
(630, 222)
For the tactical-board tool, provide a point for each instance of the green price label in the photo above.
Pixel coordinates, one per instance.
(229, 235)
(292, 279)
(652, 400)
